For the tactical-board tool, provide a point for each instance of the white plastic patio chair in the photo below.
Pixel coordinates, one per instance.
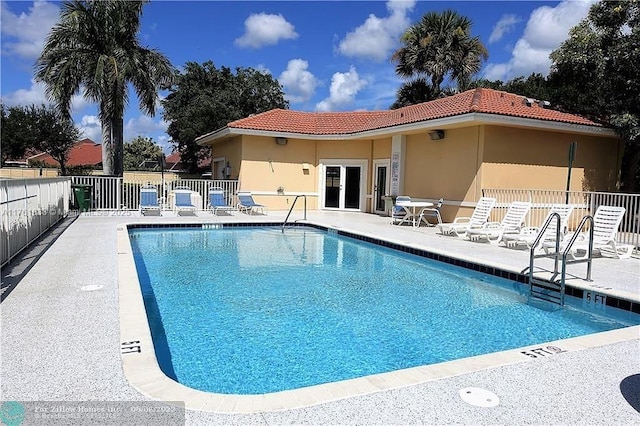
(433, 212)
(400, 214)
(528, 234)
(478, 218)
(511, 223)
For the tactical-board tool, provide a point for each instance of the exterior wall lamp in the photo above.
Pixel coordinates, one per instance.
(436, 135)
(281, 141)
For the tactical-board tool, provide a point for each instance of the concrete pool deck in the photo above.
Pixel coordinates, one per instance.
(61, 342)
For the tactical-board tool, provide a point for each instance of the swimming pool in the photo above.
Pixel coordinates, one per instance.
(251, 311)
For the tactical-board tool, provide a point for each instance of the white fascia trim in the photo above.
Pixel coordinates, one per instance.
(545, 125)
(211, 136)
(469, 119)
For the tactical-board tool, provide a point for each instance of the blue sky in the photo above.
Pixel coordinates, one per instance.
(328, 55)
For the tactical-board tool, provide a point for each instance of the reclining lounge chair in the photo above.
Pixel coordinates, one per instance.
(527, 235)
(478, 218)
(511, 223)
(606, 222)
(149, 201)
(217, 202)
(247, 205)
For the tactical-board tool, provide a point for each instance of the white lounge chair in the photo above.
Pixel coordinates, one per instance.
(478, 218)
(606, 222)
(247, 205)
(400, 214)
(182, 201)
(149, 200)
(512, 222)
(528, 234)
(217, 202)
(433, 212)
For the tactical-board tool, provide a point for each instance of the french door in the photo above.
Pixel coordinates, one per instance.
(342, 185)
(380, 184)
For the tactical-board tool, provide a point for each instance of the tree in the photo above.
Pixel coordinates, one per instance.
(414, 92)
(440, 46)
(15, 131)
(535, 86)
(596, 72)
(205, 98)
(53, 133)
(141, 154)
(41, 128)
(94, 46)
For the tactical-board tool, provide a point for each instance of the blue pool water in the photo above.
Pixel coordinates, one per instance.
(252, 310)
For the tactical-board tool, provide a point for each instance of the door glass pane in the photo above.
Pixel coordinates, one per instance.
(352, 188)
(332, 187)
(381, 187)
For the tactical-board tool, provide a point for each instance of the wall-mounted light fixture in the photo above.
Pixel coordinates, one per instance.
(436, 135)
(281, 141)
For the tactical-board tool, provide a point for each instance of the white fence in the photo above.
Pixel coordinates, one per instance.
(28, 208)
(585, 203)
(116, 193)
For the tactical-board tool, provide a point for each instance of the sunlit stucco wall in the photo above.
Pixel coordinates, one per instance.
(532, 159)
(267, 167)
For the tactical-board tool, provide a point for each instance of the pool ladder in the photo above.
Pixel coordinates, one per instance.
(291, 209)
(552, 289)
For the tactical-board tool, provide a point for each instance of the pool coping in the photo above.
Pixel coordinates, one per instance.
(143, 372)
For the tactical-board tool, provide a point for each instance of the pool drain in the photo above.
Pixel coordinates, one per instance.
(92, 287)
(479, 397)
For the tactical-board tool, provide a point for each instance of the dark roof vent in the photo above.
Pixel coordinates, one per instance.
(544, 104)
(528, 101)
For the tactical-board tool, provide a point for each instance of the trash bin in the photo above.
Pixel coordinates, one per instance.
(82, 196)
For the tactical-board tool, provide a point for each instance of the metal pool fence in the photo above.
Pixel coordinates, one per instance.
(28, 208)
(116, 193)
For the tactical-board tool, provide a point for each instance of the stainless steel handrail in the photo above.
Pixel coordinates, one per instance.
(556, 254)
(291, 209)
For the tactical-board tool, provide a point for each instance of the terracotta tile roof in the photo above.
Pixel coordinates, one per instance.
(317, 123)
(174, 161)
(84, 152)
(486, 101)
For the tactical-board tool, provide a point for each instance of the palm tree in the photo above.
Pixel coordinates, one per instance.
(414, 92)
(94, 47)
(438, 46)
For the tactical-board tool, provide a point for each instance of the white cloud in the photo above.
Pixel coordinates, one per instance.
(344, 87)
(144, 126)
(90, 128)
(262, 29)
(378, 37)
(503, 26)
(298, 82)
(263, 69)
(546, 29)
(35, 95)
(24, 34)
(23, 97)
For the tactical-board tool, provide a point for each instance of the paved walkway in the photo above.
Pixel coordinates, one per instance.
(61, 342)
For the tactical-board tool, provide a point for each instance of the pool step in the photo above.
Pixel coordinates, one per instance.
(547, 289)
